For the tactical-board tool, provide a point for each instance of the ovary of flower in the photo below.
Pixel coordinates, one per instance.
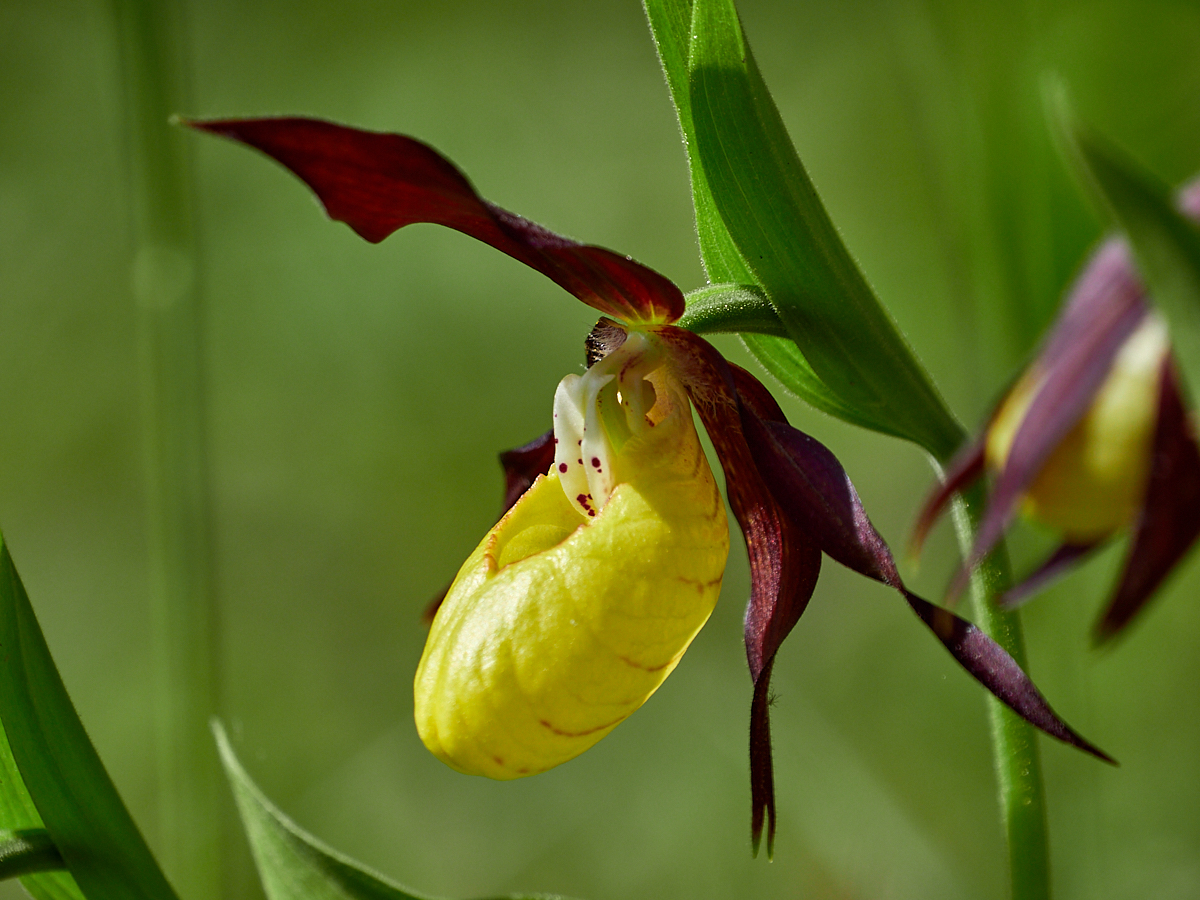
(1092, 484)
(578, 604)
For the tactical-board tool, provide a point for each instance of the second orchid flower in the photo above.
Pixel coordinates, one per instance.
(1092, 440)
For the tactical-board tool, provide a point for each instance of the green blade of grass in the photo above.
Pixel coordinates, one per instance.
(294, 865)
(783, 359)
(67, 783)
(151, 43)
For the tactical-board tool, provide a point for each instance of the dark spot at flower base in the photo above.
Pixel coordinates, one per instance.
(585, 500)
(562, 467)
(595, 462)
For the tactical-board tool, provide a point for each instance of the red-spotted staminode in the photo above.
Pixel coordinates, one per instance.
(1093, 439)
(606, 562)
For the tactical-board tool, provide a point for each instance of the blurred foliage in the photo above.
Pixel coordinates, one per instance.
(358, 395)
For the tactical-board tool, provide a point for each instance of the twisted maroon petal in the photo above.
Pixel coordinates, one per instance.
(784, 561)
(992, 667)
(794, 500)
(378, 183)
(1170, 518)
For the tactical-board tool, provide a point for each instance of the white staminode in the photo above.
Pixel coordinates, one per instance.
(595, 414)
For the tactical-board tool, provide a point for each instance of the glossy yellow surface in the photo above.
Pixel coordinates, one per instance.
(1093, 483)
(560, 625)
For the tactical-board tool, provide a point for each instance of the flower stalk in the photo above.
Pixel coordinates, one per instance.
(1019, 784)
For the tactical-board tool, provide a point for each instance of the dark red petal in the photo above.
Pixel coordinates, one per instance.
(1170, 516)
(1105, 307)
(1057, 564)
(965, 469)
(805, 560)
(522, 466)
(434, 605)
(784, 562)
(377, 183)
(815, 492)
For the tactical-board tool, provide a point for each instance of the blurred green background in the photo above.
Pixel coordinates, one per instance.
(357, 396)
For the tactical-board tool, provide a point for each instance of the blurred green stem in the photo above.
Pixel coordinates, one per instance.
(149, 37)
(1014, 741)
(27, 850)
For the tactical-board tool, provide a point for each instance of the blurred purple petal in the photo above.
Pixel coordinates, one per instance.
(1057, 564)
(965, 469)
(1189, 200)
(1105, 307)
(1170, 517)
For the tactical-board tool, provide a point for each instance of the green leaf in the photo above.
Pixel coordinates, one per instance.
(1166, 244)
(784, 236)
(294, 865)
(670, 23)
(782, 358)
(72, 793)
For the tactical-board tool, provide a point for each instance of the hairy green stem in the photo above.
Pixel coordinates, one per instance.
(731, 308)
(149, 37)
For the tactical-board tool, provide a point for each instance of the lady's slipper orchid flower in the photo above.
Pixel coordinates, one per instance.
(582, 599)
(609, 556)
(1091, 440)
